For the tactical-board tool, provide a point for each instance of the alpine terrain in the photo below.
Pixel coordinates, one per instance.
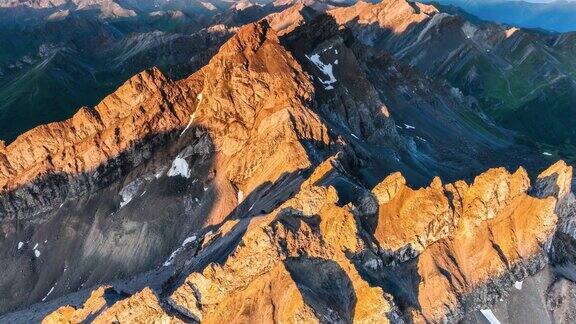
(301, 161)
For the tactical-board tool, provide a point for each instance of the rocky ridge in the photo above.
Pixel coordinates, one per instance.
(268, 193)
(289, 261)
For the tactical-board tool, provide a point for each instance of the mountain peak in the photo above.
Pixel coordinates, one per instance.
(250, 38)
(396, 15)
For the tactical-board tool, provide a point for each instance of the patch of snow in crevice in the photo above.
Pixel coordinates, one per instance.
(179, 168)
(20, 245)
(37, 253)
(326, 69)
(547, 153)
(354, 135)
(199, 96)
(49, 292)
(420, 138)
(159, 173)
(409, 126)
(35, 246)
(129, 191)
(335, 62)
(372, 264)
(518, 285)
(240, 196)
(490, 316)
(187, 241)
(189, 124)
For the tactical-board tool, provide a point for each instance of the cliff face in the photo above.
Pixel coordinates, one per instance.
(228, 128)
(277, 184)
(313, 260)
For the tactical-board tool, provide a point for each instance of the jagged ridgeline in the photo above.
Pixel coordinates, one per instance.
(304, 173)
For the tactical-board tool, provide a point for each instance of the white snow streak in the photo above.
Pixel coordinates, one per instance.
(20, 245)
(48, 294)
(179, 168)
(409, 126)
(490, 316)
(187, 241)
(240, 196)
(326, 69)
(518, 285)
(547, 153)
(200, 96)
(189, 124)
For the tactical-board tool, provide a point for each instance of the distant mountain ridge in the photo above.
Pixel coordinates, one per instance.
(553, 16)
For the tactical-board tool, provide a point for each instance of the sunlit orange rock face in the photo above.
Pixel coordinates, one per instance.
(147, 104)
(142, 307)
(393, 15)
(300, 263)
(313, 256)
(252, 98)
(489, 228)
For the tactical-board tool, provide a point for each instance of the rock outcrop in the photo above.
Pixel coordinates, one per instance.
(265, 188)
(313, 260)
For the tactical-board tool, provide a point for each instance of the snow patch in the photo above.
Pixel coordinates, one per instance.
(372, 264)
(518, 285)
(189, 123)
(20, 245)
(35, 246)
(353, 135)
(409, 126)
(48, 294)
(326, 69)
(179, 168)
(240, 196)
(547, 153)
(37, 253)
(129, 191)
(189, 240)
(159, 173)
(490, 316)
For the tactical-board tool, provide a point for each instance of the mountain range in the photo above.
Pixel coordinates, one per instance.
(555, 15)
(295, 161)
